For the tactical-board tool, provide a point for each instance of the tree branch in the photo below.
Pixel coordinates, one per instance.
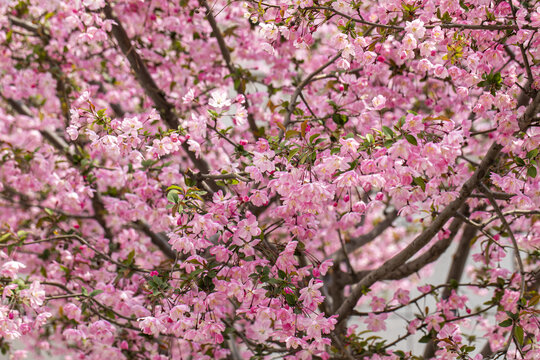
(455, 273)
(428, 257)
(423, 239)
(227, 57)
(301, 86)
(362, 240)
(166, 109)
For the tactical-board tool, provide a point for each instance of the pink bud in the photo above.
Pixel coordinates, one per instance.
(359, 207)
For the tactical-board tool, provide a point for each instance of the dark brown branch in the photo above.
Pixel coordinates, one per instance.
(227, 57)
(158, 239)
(99, 210)
(362, 240)
(302, 85)
(449, 211)
(532, 111)
(495, 206)
(492, 27)
(166, 109)
(455, 273)
(424, 238)
(428, 257)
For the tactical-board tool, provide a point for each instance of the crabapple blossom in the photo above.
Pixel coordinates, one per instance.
(279, 179)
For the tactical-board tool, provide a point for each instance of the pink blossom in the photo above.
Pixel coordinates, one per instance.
(151, 325)
(219, 99)
(376, 322)
(378, 102)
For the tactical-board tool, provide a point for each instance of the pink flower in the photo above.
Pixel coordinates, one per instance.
(310, 295)
(11, 268)
(151, 326)
(378, 102)
(248, 228)
(376, 322)
(74, 335)
(413, 325)
(259, 198)
(189, 96)
(509, 300)
(377, 303)
(72, 312)
(409, 42)
(402, 296)
(263, 161)
(219, 99)
(73, 132)
(416, 27)
(434, 322)
(35, 294)
(102, 331)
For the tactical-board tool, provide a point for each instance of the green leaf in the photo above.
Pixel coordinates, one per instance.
(148, 163)
(313, 137)
(130, 257)
(532, 154)
(519, 161)
(172, 196)
(425, 339)
(291, 299)
(175, 187)
(5, 237)
(84, 291)
(292, 153)
(532, 172)
(291, 133)
(506, 323)
(388, 131)
(340, 119)
(420, 182)
(411, 139)
(518, 333)
(95, 292)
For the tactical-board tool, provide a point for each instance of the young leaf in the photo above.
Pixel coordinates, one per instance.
(411, 139)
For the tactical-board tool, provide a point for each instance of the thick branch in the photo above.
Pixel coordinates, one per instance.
(146, 81)
(423, 239)
(227, 57)
(362, 240)
(428, 257)
(158, 239)
(99, 209)
(455, 273)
